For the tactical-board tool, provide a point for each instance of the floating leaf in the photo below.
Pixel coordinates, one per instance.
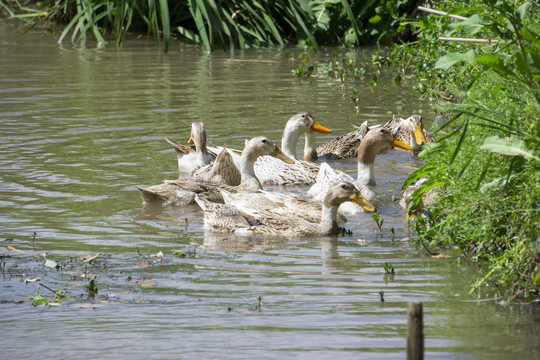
(92, 288)
(508, 146)
(147, 284)
(51, 263)
(11, 248)
(440, 256)
(28, 281)
(38, 300)
(143, 265)
(89, 258)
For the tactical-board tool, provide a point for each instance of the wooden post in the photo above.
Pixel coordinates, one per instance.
(415, 331)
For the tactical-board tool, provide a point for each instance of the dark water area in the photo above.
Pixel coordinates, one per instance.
(82, 127)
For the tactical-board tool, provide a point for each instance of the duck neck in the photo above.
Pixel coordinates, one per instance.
(289, 140)
(247, 171)
(310, 147)
(202, 157)
(366, 159)
(328, 224)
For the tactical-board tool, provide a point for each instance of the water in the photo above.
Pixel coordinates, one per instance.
(81, 128)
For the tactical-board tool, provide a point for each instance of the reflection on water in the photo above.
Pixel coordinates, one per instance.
(81, 128)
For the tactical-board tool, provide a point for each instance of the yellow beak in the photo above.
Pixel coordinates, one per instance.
(419, 135)
(277, 153)
(400, 144)
(320, 129)
(190, 141)
(361, 201)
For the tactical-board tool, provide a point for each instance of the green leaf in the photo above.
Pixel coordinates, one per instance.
(448, 60)
(495, 62)
(375, 19)
(471, 26)
(417, 174)
(508, 146)
(427, 185)
(38, 300)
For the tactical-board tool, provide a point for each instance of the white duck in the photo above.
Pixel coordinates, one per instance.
(192, 157)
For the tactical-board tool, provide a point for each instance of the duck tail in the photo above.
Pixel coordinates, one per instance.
(184, 149)
(151, 196)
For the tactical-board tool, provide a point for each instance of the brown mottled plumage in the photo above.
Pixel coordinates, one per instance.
(410, 131)
(182, 192)
(245, 221)
(344, 146)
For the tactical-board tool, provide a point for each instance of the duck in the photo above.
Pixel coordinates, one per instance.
(222, 170)
(191, 157)
(246, 221)
(271, 171)
(374, 141)
(284, 203)
(183, 192)
(303, 171)
(344, 146)
(411, 131)
(427, 199)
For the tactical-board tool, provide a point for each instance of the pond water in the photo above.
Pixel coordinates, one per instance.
(81, 128)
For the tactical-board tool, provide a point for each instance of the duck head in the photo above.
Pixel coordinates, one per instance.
(298, 124)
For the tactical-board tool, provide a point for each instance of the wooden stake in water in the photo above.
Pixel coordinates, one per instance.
(415, 331)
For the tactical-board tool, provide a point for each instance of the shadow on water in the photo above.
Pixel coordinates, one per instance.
(81, 128)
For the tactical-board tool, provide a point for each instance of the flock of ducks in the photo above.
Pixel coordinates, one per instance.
(227, 184)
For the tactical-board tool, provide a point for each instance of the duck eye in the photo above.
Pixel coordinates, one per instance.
(344, 186)
(264, 141)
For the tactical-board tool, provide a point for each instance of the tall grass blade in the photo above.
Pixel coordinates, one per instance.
(417, 174)
(352, 18)
(165, 24)
(300, 22)
(460, 142)
(485, 169)
(199, 22)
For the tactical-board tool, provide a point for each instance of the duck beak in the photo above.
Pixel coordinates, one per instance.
(361, 201)
(277, 153)
(319, 128)
(419, 135)
(400, 144)
(190, 141)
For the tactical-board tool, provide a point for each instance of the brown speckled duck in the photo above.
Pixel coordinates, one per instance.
(182, 192)
(245, 221)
